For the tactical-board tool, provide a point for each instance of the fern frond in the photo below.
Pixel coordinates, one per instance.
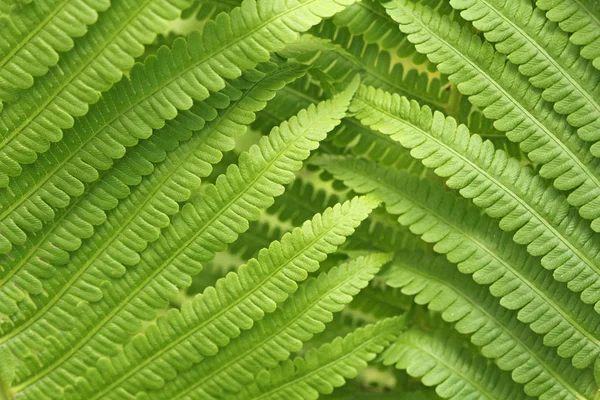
(31, 268)
(480, 248)
(98, 60)
(503, 94)
(301, 200)
(155, 92)
(350, 135)
(150, 203)
(379, 232)
(35, 34)
(204, 227)
(209, 322)
(520, 199)
(496, 331)
(442, 360)
(277, 335)
(379, 68)
(322, 370)
(544, 54)
(581, 18)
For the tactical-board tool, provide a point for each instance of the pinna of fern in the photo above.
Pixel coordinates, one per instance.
(291, 191)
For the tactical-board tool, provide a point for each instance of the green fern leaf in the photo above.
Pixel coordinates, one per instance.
(480, 248)
(496, 331)
(506, 96)
(496, 183)
(545, 55)
(190, 197)
(581, 18)
(441, 360)
(27, 267)
(149, 204)
(34, 35)
(298, 203)
(381, 69)
(277, 335)
(220, 313)
(203, 227)
(324, 369)
(350, 135)
(155, 92)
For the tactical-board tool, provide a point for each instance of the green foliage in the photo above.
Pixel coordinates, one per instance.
(321, 370)
(272, 199)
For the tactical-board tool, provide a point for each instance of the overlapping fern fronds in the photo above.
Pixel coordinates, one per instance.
(267, 199)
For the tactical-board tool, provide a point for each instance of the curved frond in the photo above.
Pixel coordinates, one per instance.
(500, 185)
(184, 338)
(155, 92)
(97, 61)
(348, 54)
(322, 370)
(277, 335)
(544, 54)
(479, 247)
(503, 94)
(239, 199)
(153, 198)
(203, 227)
(351, 135)
(495, 330)
(582, 19)
(441, 360)
(35, 33)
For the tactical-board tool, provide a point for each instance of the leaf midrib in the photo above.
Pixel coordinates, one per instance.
(456, 368)
(305, 374)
